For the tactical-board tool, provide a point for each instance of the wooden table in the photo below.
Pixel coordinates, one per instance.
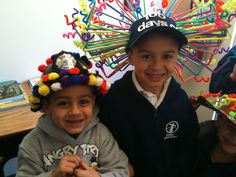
(18, 120)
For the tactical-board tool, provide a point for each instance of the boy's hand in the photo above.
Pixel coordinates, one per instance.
(85, 170)
(233, 74)
(66, 166)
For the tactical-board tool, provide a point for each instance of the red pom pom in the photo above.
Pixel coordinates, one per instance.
(42, 68)
(104, 91)
(103, 86)
(49, 61)
(74, 71)
(45, 78)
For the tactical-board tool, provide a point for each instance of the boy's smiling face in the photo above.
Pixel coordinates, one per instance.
(227, 135)
(154, 58)
(71, 109)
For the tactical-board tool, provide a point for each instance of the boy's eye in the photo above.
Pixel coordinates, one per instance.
(62, 103)
(85, 101)
(167, 56)
(231, 127)
(147, 56)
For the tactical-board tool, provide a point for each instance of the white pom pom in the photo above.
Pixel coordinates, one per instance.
(56, 86)
(99, 81)
(108, 85)
(91, 71)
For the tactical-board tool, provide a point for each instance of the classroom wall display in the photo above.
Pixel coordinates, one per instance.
(101, 29)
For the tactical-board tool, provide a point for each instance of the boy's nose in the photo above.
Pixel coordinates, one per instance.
(75, 109)
(156, 64)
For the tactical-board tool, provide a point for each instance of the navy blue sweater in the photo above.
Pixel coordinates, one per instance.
(158, 142)
(220, 81)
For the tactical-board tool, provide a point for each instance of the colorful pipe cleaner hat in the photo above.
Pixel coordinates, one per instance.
(106, 29)
(224, 105)
(62, 70)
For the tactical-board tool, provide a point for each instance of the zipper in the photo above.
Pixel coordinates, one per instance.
(155, 112)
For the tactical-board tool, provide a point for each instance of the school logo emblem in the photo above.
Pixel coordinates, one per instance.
(171, 129)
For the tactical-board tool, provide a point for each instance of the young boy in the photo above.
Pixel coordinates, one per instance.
(146, 110)
(68, 139)
(217, 148)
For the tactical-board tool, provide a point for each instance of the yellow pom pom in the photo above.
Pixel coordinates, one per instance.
(33, 99)
(33, 106)
(85, 67)
(44, 90)
(39, 82)
(53, 76)
(92, 80)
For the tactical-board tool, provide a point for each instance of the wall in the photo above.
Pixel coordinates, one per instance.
(31, 30)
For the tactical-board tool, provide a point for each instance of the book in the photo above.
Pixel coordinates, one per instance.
(10, 91)
(14, 105)
(12, 95)
(33, 81)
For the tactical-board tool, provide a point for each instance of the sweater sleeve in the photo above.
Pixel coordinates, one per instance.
(112, 160)
(29, 159)
(220, 80)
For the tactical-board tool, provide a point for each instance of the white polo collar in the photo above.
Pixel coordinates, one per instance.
(152, 98)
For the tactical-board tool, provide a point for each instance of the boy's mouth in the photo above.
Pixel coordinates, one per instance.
(155, 76)
(230, 143)
(74, 121)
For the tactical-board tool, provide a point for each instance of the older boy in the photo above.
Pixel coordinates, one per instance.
(146, 110)
(217, 148)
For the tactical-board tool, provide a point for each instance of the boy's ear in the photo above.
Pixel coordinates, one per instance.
(94, 98)
(130, 57)
(219, 121)
(45, 106)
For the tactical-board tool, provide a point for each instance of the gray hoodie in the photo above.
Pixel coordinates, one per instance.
(42, 149)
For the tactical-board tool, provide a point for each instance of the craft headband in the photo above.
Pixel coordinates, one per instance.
(62, 70)
(222, 104)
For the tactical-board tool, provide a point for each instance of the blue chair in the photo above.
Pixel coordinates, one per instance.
(10, 167)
